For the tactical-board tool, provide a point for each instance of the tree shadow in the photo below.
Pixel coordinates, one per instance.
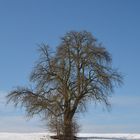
(99, 138)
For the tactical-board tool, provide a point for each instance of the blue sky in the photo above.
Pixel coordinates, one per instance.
(115, 23)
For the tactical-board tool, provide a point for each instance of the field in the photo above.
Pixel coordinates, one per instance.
(83, 136)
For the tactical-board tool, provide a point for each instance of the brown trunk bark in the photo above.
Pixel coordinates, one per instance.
(68, 133)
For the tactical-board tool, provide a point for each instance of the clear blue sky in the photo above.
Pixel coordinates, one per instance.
(115, 23)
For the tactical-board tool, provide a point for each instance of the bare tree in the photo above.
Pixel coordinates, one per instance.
(79, 71)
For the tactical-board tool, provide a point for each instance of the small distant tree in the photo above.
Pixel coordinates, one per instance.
(79, 71)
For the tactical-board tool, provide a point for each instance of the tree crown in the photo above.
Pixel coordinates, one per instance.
(80, 70)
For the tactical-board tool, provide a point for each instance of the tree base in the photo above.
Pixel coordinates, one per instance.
(61, 137)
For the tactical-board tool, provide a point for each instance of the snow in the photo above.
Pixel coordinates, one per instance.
(24, 136)
(89, 136)
(111, 136)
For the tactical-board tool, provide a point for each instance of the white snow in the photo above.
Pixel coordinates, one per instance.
(24, 136)
(112, 136)
(46, 136)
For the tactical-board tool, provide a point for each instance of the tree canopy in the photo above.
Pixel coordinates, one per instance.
(80, 70)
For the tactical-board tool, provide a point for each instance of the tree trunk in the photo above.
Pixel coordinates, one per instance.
(68, 132)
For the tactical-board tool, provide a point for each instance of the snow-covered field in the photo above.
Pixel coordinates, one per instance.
(46, 136)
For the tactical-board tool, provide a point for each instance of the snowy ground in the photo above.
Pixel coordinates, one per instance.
(111, 136)
(45, 136)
